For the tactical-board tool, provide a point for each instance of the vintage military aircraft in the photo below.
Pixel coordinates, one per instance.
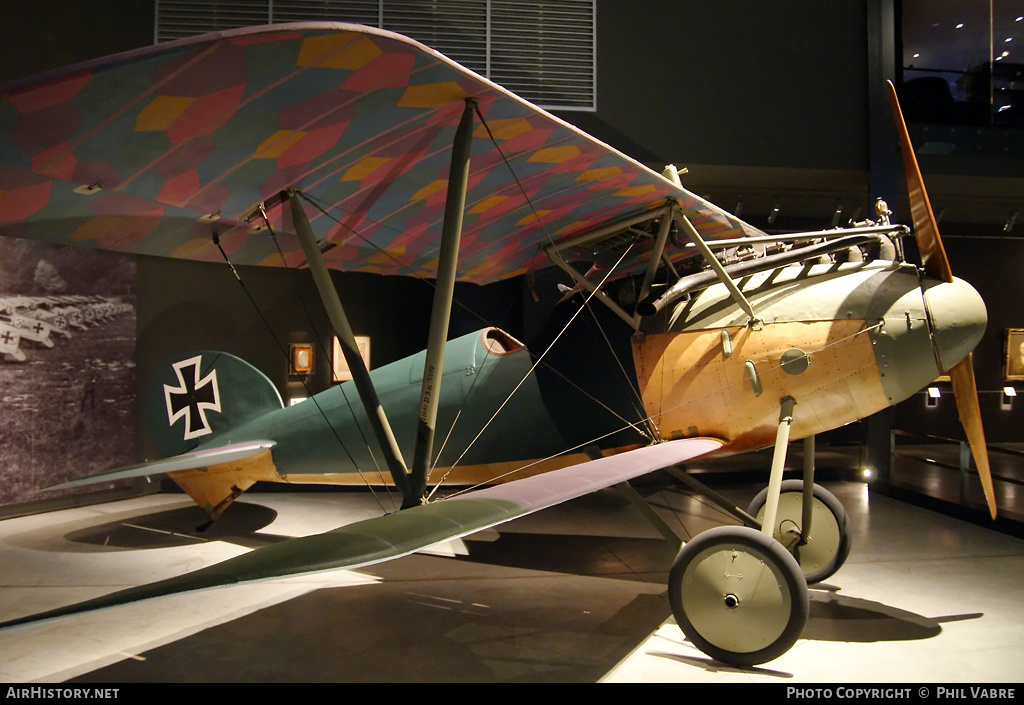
(10, 343)
(27, 327)
(36, 309)
(339, 146)
(33, 311)
(39, 319)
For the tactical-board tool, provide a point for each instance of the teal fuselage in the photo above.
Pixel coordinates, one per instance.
(480, 420)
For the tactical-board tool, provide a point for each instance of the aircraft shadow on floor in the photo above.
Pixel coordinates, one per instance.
(833, 616)
(604, 556)
(836, 617)
(179, 527)
(491, 625)
(420, 625)
(497, 614)
(839, 618)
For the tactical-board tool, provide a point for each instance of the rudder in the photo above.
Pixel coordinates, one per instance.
(198, 395)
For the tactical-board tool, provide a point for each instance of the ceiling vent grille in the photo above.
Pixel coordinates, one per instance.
(176, 19)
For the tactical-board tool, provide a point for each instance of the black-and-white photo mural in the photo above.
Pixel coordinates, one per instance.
(67, 376)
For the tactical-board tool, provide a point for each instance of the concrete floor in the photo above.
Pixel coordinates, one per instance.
(572, 594)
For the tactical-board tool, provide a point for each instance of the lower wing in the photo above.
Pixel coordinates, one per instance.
(401, 533)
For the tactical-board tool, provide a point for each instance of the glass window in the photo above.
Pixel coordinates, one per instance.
(963, 62)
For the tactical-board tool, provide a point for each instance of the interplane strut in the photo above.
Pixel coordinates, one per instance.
(440, 314)
(346, 339)
(410, 481)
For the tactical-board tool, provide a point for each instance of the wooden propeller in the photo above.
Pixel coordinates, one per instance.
(936, 266)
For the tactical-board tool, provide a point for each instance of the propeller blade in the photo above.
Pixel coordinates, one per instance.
(965, 389)
(936, 266)
(926, 230)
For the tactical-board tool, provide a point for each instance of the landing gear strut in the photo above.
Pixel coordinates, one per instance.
(821, 551)
(738, 594)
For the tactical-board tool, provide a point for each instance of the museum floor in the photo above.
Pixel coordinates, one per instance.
(572, 594)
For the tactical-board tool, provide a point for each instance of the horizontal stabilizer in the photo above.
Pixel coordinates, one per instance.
(401, 533)
(186, 461)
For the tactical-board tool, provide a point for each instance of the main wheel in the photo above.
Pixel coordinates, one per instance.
(825, 550)
(738, 595)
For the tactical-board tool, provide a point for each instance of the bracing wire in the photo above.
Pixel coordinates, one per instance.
(532, 368)
(651, 418)
(647, 419)
(586, 301)
(538, 360)
(463, 307)
(284, 353)
(635, 399)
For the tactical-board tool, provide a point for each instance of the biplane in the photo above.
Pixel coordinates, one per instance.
(40, 309)
(39, 319)
(28, 327)
(333, 146)
(10, 343)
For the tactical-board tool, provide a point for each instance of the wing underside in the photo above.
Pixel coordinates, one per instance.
(157, 150)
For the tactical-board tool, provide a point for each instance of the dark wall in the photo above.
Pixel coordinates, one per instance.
(737, 82)
(39, 36)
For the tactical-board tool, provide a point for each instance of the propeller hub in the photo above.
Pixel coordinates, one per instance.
(957, 316)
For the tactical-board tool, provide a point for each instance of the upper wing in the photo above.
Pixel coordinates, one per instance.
(383, 538)
(156, 150)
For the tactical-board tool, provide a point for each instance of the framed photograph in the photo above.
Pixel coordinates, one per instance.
(301, 358)
(1013, 355)
(341, 372)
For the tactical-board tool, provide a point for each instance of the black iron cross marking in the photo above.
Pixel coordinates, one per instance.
(26, 323)
(192, 398)
(7, 337)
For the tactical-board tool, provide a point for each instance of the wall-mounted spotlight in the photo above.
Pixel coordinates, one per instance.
(1010, 222)
(739, 209)
(1007, 398)
(932, 397)
(774, 214)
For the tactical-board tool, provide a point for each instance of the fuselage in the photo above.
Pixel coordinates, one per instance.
(843, 341)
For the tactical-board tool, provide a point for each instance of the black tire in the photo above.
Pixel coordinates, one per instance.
(738, 595)
(827, 548)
